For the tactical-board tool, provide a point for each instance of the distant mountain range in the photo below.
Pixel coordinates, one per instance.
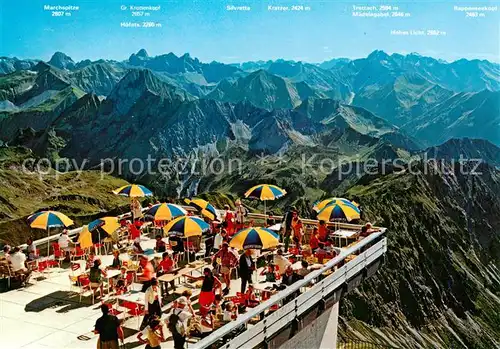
(430, 101)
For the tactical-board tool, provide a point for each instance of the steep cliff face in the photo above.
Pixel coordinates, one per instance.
(440, 285)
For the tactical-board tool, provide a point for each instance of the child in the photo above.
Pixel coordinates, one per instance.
(90, 260)
(231, 312)
(154, 334)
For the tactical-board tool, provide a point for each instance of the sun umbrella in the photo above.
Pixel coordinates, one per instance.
(337, 211)
(318, 206)
(265, 192)
(108, 224)
(204, 207)
(186, 226)
(254, 237)
(49, 219)
(133, 191)
(85, 238)
(164, 212)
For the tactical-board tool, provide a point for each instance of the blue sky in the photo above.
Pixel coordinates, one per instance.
(206, 30)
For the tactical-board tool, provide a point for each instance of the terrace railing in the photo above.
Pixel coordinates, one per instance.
(369, 250)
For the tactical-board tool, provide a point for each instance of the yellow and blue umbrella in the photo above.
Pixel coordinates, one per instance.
(186, 226)
(133, 191)
(49, 219)
(318, 206)
(204, 207)
(108, 224)
(255, 238)
(265, 192)
(339, 211)
(85, 238)
(165, 212)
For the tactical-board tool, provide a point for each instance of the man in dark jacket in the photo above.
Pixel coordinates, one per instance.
(109, 330)
(287, 226)
(247, 266)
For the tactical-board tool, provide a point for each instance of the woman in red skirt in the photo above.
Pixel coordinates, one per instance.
(229, 219)
(209, 286)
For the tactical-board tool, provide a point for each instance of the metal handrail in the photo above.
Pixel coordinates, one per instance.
(243, 319)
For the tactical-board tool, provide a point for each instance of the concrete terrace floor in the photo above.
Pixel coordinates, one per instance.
(47, 313)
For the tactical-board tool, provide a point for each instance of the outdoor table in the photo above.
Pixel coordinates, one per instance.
(343, 234)
(112, 273)
(136, 297)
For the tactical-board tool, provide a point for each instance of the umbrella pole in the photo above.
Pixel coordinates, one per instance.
(48, 242)
(265, 217)
(187, 246)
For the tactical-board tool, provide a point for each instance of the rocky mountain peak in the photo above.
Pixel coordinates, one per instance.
(62, 61)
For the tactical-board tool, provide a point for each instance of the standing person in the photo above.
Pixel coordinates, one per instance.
(229, 219)
(135, 209)
(152, 302)
(209, 243)
(31, 250)
(208, 287)
(218, 239)
(227, 261)
(247, 266)
(287, 226)
(108, 328)
(177, 322)
(153, 333)
(241, 213)
(298, 230)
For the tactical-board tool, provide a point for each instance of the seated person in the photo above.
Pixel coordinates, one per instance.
(18, 261)
(290, 277)
(314, 241)
(366, 230)
(304, 269)
(95, 277)
(165, 266)
(117, 263)
(121, 286)
(271, 274)
(281, 262)
(147, 273)
(136, 246)
(251, 298)
(123, 275)
(90, 260)
(161, 246)
(230, 312)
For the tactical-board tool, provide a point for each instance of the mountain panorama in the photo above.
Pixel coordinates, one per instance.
(426, 130)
